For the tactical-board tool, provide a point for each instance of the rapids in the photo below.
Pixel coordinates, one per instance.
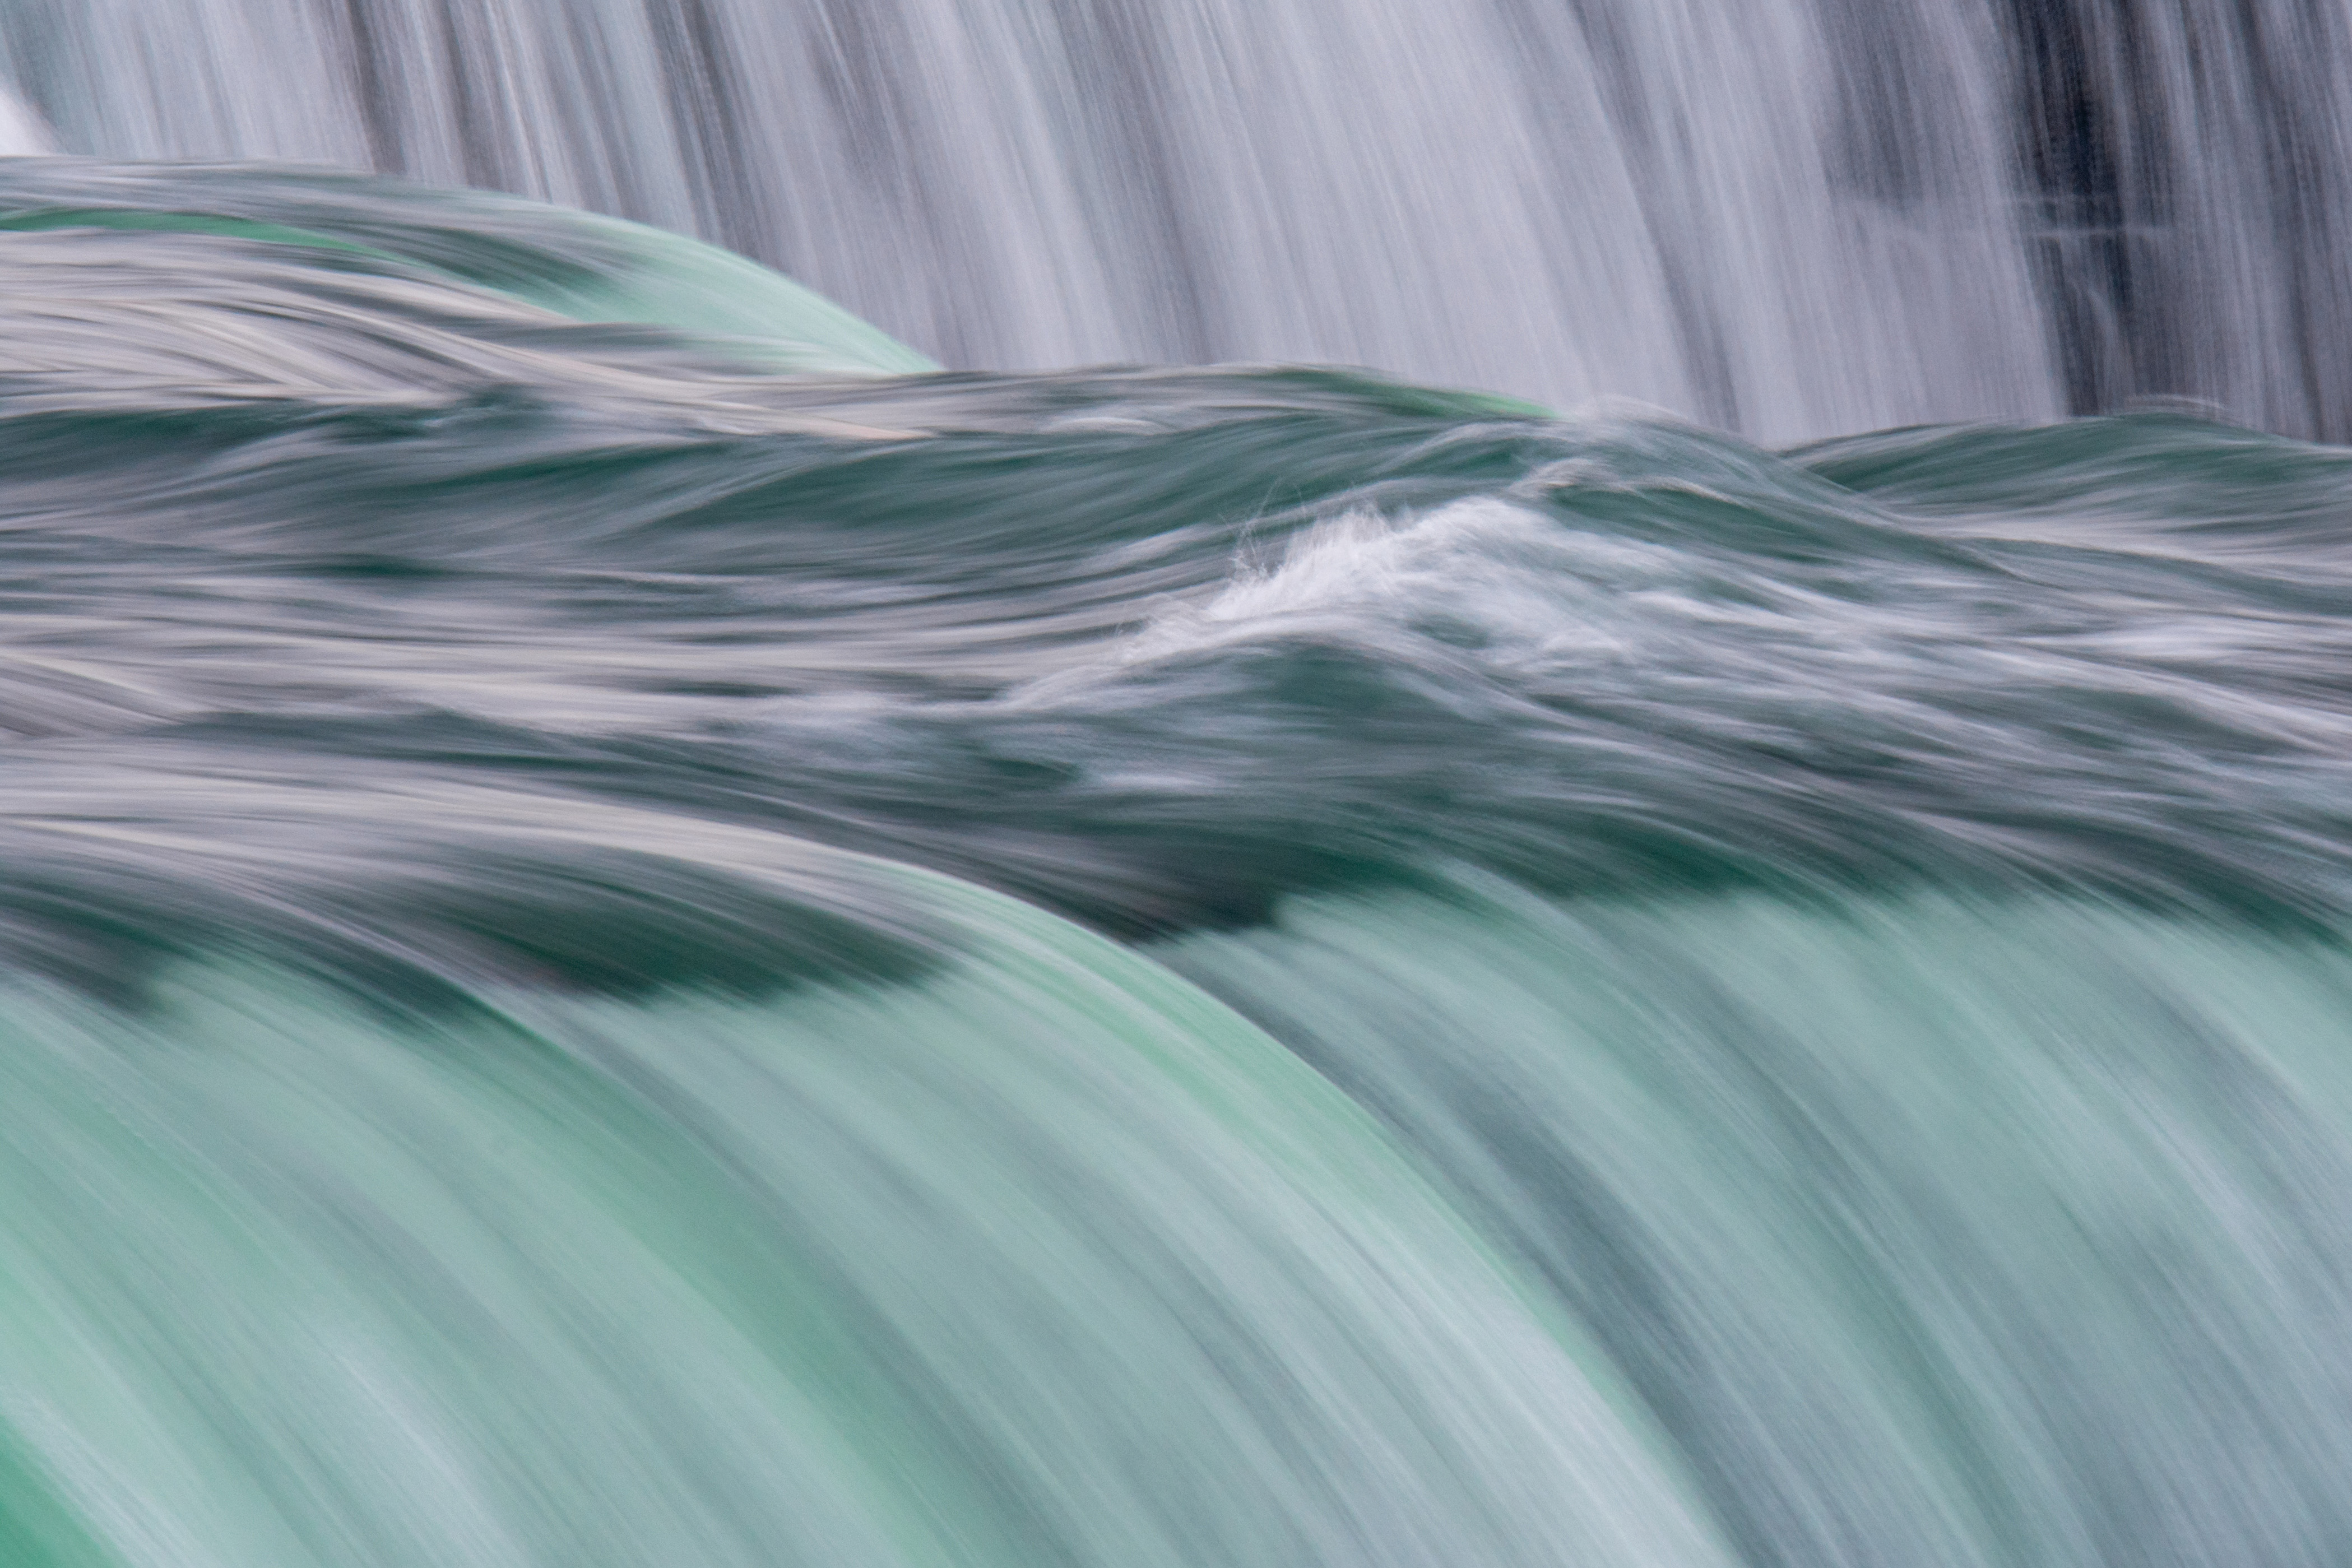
(642, 923)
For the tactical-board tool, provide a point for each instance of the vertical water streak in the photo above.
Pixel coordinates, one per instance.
(21, 131)
(1790, 218)
(2188, 162)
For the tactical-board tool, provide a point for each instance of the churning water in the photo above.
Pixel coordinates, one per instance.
(637, 928)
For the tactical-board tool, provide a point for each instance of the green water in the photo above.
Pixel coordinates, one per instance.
(635, 928)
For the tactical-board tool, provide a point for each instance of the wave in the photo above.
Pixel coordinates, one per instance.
(638, 928)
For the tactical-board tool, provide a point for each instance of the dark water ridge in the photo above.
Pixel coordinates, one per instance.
(638, 929)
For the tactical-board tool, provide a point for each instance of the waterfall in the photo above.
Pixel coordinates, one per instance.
(1787, 218)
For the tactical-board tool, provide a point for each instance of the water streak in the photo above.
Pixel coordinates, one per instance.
(637, 928)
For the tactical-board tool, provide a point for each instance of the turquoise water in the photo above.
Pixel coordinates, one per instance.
(638, 929)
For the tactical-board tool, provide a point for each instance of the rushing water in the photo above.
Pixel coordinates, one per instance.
(637, 928)
(1792, 218)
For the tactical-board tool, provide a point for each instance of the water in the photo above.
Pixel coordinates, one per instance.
(1686, 204)
(1793, 218)
(638, 927)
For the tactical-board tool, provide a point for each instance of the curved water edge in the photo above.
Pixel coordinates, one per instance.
(574, 264)
(631, 937)
(854, 1275)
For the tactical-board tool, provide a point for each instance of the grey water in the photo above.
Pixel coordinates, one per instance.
(1789, 218)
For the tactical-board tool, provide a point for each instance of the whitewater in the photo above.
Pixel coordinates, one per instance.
(1329, 839)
